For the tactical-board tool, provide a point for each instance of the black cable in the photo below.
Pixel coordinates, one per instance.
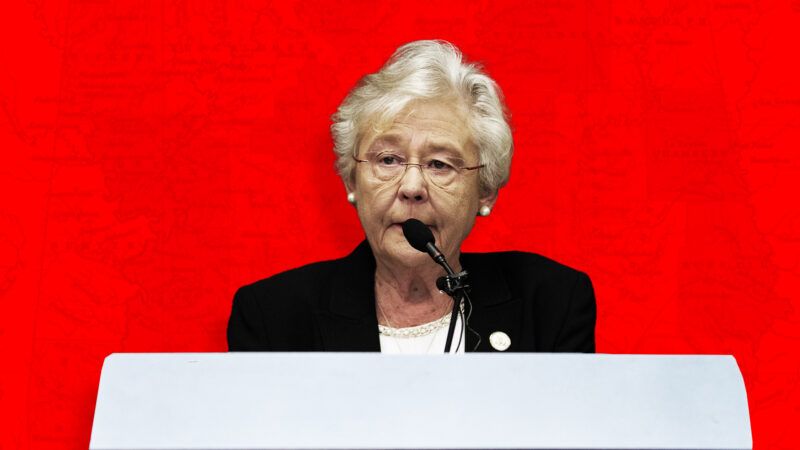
(452, 327)
(468, 328)
(461, 315)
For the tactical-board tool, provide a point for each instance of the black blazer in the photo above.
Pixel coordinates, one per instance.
(543, 306)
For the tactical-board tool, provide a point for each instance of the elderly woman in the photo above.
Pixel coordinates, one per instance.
(425, 137)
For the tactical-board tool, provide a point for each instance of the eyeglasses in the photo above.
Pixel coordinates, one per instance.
(441, 171)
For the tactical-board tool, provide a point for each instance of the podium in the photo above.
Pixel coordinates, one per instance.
(471, 401)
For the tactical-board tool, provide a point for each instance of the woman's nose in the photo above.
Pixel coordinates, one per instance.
(413, 185)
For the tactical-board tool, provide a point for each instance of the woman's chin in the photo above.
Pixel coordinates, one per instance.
(405, 255)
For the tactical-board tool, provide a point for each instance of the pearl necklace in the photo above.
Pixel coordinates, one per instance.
(415, 331)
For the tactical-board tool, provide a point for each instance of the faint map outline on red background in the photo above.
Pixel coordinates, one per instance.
(158, 156)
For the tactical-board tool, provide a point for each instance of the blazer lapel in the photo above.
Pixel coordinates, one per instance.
(493, 307)
(350, 324)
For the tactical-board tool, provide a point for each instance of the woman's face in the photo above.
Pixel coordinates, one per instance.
(426, 131)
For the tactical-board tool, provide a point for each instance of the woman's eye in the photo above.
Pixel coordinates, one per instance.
(439, 165)
(388, 160)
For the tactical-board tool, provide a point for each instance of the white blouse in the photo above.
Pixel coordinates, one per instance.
(415, 340)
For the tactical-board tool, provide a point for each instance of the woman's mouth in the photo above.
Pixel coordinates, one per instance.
(400, 225)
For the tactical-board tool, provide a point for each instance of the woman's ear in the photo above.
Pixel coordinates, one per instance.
(351, 196)
(488, 199)
(486, 203)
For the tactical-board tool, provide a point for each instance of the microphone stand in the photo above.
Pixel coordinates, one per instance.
(455, 285)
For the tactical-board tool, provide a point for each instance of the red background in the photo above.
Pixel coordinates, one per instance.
(157, 155)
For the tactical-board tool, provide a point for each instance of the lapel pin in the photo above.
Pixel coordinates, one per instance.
(500, 341)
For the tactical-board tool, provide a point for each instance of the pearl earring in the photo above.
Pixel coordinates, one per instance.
(485, 211)
(351, 198)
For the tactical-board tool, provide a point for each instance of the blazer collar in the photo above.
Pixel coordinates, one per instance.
(487, 283)
(351, 323)
(354, 284)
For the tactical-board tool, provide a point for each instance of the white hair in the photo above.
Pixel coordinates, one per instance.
(428, 70)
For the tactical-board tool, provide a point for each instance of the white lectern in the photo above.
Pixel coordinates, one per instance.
(350, 400)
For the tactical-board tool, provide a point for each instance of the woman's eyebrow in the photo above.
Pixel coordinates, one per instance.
(446, 147)
(384, 140)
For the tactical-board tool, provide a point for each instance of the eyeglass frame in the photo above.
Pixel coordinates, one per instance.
(421, 169)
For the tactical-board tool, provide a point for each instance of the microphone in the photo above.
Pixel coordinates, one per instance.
(421, 238)
(417, 234)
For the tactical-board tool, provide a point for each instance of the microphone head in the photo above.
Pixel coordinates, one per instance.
(417, 234)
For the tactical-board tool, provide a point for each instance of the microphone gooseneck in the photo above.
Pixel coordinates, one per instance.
(420, 237)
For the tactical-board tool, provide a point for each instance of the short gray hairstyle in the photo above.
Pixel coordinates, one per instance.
(428, 70)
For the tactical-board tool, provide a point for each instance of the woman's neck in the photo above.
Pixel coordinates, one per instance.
(407, 296)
